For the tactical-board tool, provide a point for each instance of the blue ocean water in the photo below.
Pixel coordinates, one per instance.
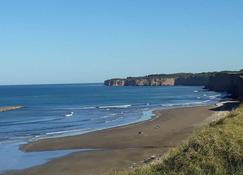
(54, 110)
(59, 110)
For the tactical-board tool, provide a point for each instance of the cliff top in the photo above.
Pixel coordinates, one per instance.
(180, 75)
(174, 75)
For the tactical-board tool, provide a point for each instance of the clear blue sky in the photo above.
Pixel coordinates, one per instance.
(68, 41)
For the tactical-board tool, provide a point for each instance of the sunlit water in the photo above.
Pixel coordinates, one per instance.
(59, 110)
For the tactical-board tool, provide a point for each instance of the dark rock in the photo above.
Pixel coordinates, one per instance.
(226, 81)
(231, 83)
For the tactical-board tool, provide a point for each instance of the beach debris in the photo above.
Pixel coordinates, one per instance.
(157, 127)
(140, 132)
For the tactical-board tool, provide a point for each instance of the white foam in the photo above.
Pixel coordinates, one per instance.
(69, 114)
(115, 106)
(185, 104)
(105, 117)
(219, 104)
(76, 108)
(214, 96)
(168, 105)
(63, 132)
(88, 107)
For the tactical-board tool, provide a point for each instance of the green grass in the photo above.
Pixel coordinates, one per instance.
(216, 149)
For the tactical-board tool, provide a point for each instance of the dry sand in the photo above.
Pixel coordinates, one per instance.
(120, 147)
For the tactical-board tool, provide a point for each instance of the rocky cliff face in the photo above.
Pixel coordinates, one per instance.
(141, 82)
(192, 81)
(150, 82)
(226, 82)
(230, 82)
(115, 82)
(162, 80)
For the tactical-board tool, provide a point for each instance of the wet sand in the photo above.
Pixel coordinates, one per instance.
(120, 147)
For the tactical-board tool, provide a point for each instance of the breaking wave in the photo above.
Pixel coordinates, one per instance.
(114, 106)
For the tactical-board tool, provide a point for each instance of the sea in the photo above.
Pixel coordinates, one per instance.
(71, 109)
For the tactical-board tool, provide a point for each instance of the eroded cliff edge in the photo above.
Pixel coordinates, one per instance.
(198, 79)
(227, 81)
(231, 83)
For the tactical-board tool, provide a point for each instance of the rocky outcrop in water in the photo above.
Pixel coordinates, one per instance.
(10, 108)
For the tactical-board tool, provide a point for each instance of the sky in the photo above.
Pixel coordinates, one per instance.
(84, 41)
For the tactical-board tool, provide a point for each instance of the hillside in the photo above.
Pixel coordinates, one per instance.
(216, 149)
(213, 149)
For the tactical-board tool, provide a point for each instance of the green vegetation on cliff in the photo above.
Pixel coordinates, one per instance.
(194, 79)
(188, 79)
(230, 82)
(216, 149)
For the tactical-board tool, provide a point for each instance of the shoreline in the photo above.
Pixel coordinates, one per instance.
(49, 144)
(122, 146)
(144, 118)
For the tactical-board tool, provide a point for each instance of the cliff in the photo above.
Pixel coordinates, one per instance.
(227, 82)
(189, 79)
(141, 82)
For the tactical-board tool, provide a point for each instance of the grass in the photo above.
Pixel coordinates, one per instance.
(216, 149)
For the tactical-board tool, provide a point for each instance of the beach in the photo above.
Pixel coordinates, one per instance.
(121, 87)
(120, 147)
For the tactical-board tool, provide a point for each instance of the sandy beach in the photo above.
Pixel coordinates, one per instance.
(120, 147)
